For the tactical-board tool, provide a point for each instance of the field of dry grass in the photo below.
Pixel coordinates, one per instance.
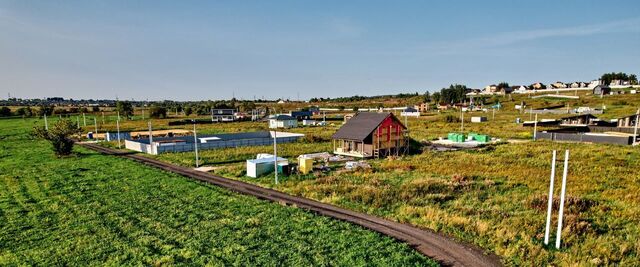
(494, 197)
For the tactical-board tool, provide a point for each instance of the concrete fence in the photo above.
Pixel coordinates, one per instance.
(580, 137)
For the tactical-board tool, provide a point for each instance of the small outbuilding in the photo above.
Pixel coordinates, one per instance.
(410, 112)
(263, 165)
(579, 120)
(628, 121)
(283, 121)
(478, 119)
(601, 90)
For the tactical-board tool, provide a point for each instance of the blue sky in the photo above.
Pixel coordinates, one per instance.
(192, 50)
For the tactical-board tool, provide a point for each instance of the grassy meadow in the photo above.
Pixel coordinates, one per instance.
(92, 209)
(494, 197)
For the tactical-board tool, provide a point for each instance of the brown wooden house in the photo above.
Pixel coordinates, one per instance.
(370, 134)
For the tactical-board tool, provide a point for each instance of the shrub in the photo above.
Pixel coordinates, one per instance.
(451, 118)
(5, 112)
(157, 112)
(59, 135)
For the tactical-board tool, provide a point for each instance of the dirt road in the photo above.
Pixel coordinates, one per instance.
(443, 249)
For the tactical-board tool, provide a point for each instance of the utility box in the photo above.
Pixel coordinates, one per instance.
(305, 165)
(284, 168)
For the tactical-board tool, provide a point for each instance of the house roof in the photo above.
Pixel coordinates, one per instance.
(283, 117)
(591, 116)
(361, 125)
(222, 111)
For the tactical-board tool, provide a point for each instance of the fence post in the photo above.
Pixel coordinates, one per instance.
(562, 194)
(550, 204)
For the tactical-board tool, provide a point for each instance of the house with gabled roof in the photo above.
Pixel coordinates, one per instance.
(371, 134)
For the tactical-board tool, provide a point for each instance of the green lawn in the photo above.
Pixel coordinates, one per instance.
(495, 197)
(91, 209)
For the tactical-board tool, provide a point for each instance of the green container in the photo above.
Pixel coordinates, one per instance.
(284, 169)
(482, 138)
(452, 136)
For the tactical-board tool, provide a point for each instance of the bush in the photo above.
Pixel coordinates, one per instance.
(5, 112)
(59, 135)
(25, 112)
(451, 118)
(157, 112)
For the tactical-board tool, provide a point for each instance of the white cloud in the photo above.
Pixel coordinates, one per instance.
(509, 38)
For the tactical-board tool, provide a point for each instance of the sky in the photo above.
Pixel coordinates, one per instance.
(198, 50)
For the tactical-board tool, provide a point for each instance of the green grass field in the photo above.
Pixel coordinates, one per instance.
(92, 209)
(494, 197)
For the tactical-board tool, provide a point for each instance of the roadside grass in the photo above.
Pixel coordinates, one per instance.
(92, 209)
(494, 197)
(490, 197)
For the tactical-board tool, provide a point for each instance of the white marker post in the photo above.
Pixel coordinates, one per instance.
(550, 205)
(95, 123)
(118, 127)
(84, 120)
(461, 120)
(635, 129)
(562, 193)
(46, 124)
(195, 143)
(535, 129)
(78, 121)
(275, 154)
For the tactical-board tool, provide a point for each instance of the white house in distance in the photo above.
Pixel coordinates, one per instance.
(410, 112)
(282, 121)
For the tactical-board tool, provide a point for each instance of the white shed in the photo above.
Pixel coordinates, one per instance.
(283, 121)
(259, 167)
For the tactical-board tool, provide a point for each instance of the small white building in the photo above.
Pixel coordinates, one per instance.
(410, 112)
(263, 165)
(478, 119)
(309, 123)
(282, 121)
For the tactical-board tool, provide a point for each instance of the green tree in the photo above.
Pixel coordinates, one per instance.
(503, 85)
(608, 77)
(437, 97)
(45, 109)
(633, 79)
(5, 112)
(427, 97)
(454, 94)
(25, 112)
(59, 135)
(125, 108)
(158, 112)
(188, 110)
